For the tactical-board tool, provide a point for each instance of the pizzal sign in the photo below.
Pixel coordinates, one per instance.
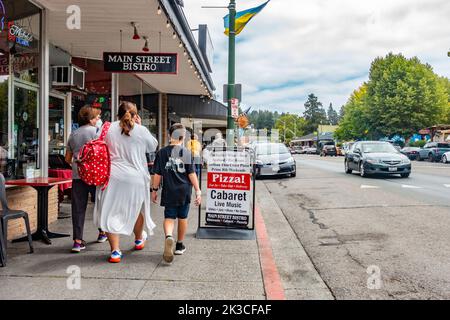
(157, 63)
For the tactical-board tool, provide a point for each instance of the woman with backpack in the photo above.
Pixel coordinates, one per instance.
(123, 207)
(89, 121)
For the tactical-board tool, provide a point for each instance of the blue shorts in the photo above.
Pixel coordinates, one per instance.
(180, 212)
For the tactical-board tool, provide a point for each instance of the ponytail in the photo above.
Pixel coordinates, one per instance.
(127, 112)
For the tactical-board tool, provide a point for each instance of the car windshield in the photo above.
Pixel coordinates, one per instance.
(272, 148)
(378, 148)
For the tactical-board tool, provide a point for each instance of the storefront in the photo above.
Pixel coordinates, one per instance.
(49, 71)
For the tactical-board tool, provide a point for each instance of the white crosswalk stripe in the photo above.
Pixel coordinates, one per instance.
(363, 186)
(407, 186)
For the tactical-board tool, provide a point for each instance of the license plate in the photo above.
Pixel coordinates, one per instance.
(391, 169)
(276, 169)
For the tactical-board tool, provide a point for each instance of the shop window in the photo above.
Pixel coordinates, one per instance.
(19, 89)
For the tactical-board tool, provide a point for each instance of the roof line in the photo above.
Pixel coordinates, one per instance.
(179, 21)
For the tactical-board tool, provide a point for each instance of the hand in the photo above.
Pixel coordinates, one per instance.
(137, 119)
(198, 201)
(154, 197)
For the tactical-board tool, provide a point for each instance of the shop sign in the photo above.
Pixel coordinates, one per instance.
(4, 65)
(19, 35)
(157, 63)
(234, 108)
(19, 63)
(229, 186)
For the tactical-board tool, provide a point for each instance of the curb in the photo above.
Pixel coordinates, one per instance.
(271, 278)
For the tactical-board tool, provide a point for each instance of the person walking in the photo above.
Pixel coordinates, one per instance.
(173, 165)
(195, 147)
(123, 207)
(89, 120)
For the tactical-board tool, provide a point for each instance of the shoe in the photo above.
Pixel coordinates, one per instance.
(77, 247)
(102, 238)
(140, 244)
(180, 248)
(168, 249)
(116, 256)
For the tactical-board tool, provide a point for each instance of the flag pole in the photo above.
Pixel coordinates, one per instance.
(231, 71)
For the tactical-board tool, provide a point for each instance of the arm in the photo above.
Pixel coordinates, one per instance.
(198, 192)
(155, 185)
(69, 156)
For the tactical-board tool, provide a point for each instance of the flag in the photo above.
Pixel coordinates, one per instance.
(242, 18)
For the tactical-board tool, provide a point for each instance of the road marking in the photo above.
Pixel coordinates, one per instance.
(363, 186)
(407, 186)
(447, 185)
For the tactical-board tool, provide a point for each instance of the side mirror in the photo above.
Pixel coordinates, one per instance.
(358, 151)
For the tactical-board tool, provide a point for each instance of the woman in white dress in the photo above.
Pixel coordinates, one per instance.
(124, 206)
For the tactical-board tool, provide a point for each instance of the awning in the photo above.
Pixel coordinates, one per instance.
(101, 22)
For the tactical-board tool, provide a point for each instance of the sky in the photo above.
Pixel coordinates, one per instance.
(296, 47)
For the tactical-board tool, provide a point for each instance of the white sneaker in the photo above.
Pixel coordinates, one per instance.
(168, 249)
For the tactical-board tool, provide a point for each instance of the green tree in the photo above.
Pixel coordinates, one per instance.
(403, 96)
(332, 115)
(290, 126)
(354, 123)
(314, 113)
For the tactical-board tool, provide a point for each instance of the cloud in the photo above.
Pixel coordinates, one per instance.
(296, 47)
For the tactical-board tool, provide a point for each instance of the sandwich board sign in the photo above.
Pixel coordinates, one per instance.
(229, 193)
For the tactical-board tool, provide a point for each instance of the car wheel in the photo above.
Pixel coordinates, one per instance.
(362, 171)
(405, 175)
(430, 158)
(444, 159)
(347, 169)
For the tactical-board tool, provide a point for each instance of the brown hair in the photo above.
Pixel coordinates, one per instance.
(177, 131)
(127, 112)
(86, 114)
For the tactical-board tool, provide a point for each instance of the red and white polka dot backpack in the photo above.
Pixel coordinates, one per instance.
(94, 161)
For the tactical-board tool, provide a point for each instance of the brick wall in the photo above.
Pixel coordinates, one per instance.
(25, 198)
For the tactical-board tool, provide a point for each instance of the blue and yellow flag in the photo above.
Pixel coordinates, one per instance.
(242, 18)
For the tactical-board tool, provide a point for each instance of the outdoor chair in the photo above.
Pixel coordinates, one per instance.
(7, 214)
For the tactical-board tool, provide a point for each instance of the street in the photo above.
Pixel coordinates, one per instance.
(352, 227)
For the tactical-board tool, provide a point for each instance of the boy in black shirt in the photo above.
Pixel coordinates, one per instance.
(173, 164)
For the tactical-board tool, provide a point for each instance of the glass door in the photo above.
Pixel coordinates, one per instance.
(56, 125)
(25, 130)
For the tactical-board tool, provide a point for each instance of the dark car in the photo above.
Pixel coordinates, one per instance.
(375, 157)
(411, 152)
(328, 150)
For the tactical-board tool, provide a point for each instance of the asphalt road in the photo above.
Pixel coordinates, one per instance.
(353, 227)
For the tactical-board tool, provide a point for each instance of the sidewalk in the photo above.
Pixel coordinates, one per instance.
(210, 269)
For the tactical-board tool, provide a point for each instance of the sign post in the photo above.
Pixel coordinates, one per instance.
(230, 200)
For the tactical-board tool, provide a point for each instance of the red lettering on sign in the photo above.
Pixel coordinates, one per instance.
(229, 181)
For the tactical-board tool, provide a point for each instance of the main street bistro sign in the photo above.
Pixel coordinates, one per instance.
(157, 63)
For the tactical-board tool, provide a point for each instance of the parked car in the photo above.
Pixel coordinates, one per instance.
(376, 157)
(446, 157)
(310, 150)
(329, 150)
(274, 159)
(411, 152)
(433, 151)
(345, 147)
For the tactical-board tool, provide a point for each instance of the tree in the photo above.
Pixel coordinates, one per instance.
(353, 125)
(403, 96)
(341, 113)
(290, 126)
(314, 113)
(332, 115)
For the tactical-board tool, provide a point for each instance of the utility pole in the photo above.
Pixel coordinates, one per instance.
(231, 70)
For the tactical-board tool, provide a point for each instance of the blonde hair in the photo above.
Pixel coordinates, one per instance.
(127, 112)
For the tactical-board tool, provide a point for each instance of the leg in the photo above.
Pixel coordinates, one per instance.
(182, 227)
(168, 226)
(80, 193)
(182, 214)
(139, 227)
(114, 241)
